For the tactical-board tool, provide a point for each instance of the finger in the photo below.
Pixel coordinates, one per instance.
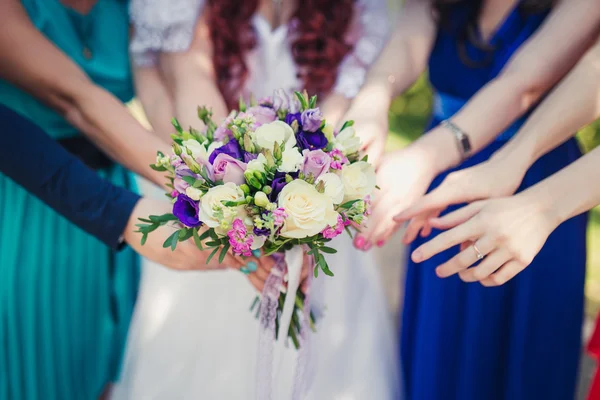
(432, 201)
(427, 229)
(374, 152)
(446, 240)
(256, 282)
(504, 274)
(457, 217)
(487, 267)
(412, 230)
(262, 274)
(465, 258)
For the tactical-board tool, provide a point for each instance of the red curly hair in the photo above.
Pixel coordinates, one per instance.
(318, 41)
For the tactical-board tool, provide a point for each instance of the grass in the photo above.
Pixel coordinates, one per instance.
(408, 118)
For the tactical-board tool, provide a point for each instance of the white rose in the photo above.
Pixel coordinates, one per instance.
(334, 188)
(266, 135)
(193, 193)
(258, 164)
(213, 212)
(308, 211)
(291, 160)
(358, 179)
(199, 151)
(328, 132)
(347, 142)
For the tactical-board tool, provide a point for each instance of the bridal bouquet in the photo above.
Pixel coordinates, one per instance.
(272, 176)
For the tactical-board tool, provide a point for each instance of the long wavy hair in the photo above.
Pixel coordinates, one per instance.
(318, 38)
(467, 32)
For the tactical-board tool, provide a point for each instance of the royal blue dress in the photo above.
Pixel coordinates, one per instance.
(519, 341)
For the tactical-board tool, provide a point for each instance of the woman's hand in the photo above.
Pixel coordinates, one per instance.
(186, 256)
(372, 131)
(403, 177)
(505, 234)
(497, 177)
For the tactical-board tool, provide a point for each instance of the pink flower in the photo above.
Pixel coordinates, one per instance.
(263, 115)
(316, 162)
(229, 169)
(337, 159)
(331, 232)
(223, 131)
(239, 239)
(279, 216)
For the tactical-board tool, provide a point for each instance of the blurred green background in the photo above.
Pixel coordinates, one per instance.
(410, 113)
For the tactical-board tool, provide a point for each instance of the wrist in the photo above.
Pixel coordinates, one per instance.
(554, 208)
(439, 149)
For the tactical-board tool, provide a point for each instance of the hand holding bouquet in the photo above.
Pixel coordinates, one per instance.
(273, 176)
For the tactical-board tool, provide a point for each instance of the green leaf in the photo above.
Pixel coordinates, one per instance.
(212, 254)
(197, 240)
(328, 250)
(365, 158)
(303, 103)
(172, 240)
(144, 238)
(377, 187)
(185, 234)
(313, 102)
(214, 243)
(158, 168)
(213, 235)
(347, 124)
(224, 252)
(324, 267)
(348, 204)
(190, 180)
(205, 235)
(316, 272)
(176, 125)
(348, 231)
(162, 218)
(145, 220)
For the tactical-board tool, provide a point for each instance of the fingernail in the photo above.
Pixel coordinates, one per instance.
(417, 256)
(245, 270)
(286, 277)
(360, 242)
(282, 289)
(256, 253)
(380, 243)
(252, 266)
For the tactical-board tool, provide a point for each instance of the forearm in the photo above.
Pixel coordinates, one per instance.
(60, 180)
(108, 123)
(571, 191)
(199, 91)
(574, 103)
(155, 99)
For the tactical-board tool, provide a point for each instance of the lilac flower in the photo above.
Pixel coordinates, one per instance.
(263, 115)
(222, 130)
(228, 169)
(279, 216)
(316, 162)
(291, 117)
(338, 159)
(262, 231)
(232, 149)
(284, 101)
(249, 157)
(311, 120)
(311, 140)
(186, 210)
(239, 239)
(331, 232)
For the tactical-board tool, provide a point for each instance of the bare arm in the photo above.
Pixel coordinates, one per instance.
(62, 85)
(575, 102)
(538, 65)
(155, 99)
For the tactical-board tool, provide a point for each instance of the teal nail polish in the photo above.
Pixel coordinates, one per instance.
(252, 266)
(245, 270)
(256, 253)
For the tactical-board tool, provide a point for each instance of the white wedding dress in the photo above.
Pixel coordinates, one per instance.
(193, 336)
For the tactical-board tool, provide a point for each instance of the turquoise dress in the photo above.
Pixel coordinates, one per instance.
(65, 298)
(518, 341)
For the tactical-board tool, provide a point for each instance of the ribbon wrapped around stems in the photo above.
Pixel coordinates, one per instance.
(274, 328)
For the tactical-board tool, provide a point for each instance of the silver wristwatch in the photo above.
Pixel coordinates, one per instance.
(462, 139)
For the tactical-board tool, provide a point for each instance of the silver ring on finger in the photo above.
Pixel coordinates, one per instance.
(478, 253)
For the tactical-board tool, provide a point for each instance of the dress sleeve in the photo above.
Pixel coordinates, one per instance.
(46, 170)
(161, 25)
(369, 34)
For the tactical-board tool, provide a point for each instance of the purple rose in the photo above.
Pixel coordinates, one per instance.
(279, 183)
(232, 149)
(228, 169)
(186, 210)
(312, 119)
(263, 115)
(180, 171)
(316, 162)
(293, 117)
(311, 140)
